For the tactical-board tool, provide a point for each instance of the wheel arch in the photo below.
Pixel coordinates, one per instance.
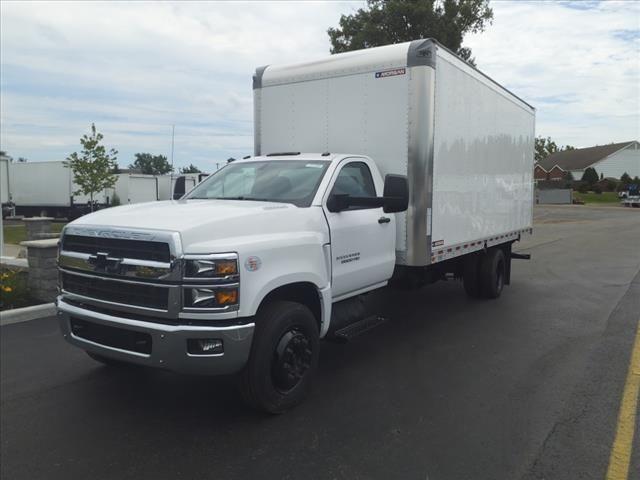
(304, 292)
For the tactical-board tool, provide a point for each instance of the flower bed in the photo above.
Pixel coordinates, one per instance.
(14, 292)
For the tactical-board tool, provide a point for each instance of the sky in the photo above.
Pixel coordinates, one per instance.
(136, 69)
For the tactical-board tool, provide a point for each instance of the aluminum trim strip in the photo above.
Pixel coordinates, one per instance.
(420, 162)
(118, 279)
(107, 347)
(106, 303)
(447, 252)
(146, 326)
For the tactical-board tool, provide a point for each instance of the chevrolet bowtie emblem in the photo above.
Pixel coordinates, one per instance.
(102, 261)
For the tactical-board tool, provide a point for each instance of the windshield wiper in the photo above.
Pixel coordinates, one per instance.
(239, 197)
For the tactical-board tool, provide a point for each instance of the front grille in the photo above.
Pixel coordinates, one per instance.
(114, 337)
(136, 294)
(118, 247)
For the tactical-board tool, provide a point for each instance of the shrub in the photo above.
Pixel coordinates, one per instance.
(13, 289)
(590, 176)
(610, 185)
(597, 189)
(115, 200)
(583, 187)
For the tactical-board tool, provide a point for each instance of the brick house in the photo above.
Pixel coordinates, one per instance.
(608, 160)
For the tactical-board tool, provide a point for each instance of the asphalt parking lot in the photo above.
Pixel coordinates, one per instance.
(525, 387)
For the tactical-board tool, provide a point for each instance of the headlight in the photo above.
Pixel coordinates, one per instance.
(211, 266)
(211, 283)
(211, 297)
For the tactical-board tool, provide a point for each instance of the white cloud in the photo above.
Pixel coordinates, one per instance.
(579, 66)
(137, 68)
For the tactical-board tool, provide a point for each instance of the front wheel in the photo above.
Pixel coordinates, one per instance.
(283, 359)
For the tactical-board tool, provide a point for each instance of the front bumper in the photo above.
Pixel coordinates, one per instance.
(168, 342)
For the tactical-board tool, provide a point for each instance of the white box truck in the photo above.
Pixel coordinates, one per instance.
(44, 189)
(400, 164)
(47, 189)
(173, 187)
(136, 188)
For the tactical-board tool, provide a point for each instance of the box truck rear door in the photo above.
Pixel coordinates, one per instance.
(362, 238)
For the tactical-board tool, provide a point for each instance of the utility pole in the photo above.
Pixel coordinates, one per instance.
(171, 194)
(173, 132)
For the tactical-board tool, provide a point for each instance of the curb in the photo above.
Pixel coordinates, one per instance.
(19, 315)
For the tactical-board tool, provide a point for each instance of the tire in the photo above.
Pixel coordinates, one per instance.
(471, 276)
(105, 360)
(492, 273)
(283, 359)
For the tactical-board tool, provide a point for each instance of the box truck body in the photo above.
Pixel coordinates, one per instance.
(464, 142)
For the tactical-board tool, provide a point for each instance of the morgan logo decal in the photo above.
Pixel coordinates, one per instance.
(391, 73)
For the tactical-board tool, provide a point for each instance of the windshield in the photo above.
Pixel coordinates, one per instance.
(286, 181)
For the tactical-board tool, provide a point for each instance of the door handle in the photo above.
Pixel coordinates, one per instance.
(384, 220)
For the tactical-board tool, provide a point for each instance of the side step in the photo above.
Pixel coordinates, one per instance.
(357, 328)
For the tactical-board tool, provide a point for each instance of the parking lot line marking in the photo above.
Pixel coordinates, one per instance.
(622, 445)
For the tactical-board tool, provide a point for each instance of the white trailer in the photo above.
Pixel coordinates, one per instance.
(172, 187)
(46, 189)
(136, 188)
(4, 181)
(464, 141)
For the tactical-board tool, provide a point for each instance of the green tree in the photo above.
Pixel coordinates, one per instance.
(151, 164)
(190, 169)
(384, 22)
(625, 179)
(92, 169)
(545, 147)
(590, 176)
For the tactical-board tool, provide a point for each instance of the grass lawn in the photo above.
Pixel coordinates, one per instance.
(14, 234)
(604, 197)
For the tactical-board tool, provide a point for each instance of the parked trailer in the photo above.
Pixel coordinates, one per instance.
(45, 189)
(173, 187)
(4, 181)
(422, 169)
(136, 188)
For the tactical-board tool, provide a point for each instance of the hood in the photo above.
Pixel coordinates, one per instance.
(207, 221)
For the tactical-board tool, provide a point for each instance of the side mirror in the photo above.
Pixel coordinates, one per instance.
(396, 193)
(338, 202)
(179, 188)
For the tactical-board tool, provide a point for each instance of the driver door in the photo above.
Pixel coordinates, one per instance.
(362, 238)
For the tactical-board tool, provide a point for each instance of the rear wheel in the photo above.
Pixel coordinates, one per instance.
(471, 276)
(492, 273)
(284, 357)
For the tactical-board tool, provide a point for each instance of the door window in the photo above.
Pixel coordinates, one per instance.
(355, 180)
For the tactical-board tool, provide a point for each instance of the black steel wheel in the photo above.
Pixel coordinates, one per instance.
(492, 273)
(291, 360)
(471, 275)
(283, 359)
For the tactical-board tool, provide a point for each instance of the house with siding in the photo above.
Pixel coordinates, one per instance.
(610, 161)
